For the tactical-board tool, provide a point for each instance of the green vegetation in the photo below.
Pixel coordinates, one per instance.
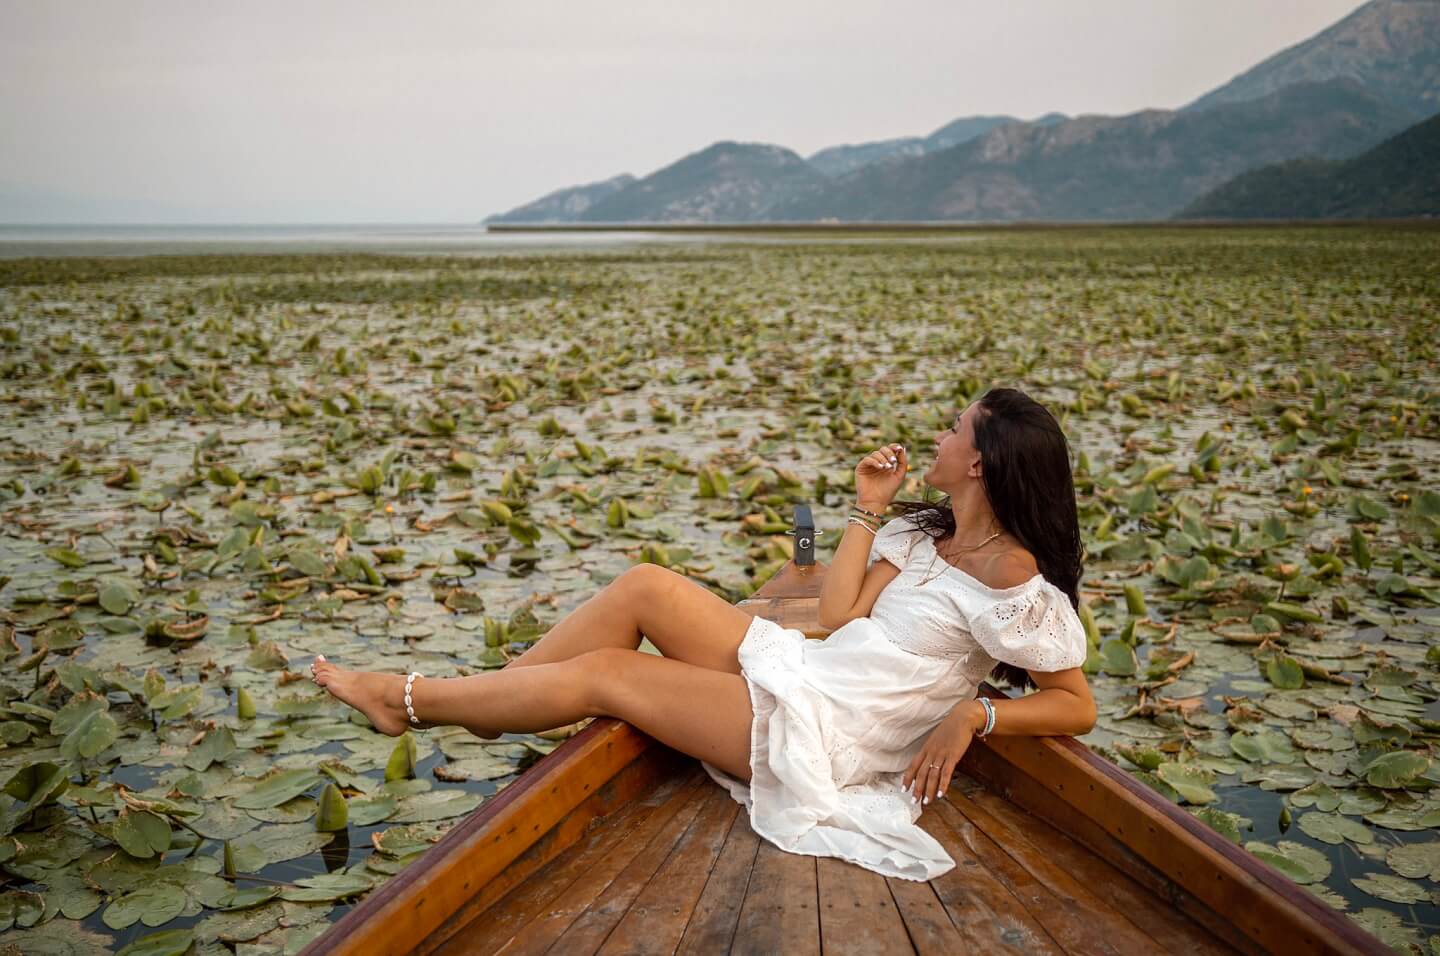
(1400, 178)
(213, 468)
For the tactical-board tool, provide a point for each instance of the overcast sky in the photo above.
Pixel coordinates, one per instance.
(447, 112)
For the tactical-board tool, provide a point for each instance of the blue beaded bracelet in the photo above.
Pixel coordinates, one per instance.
(989, 716)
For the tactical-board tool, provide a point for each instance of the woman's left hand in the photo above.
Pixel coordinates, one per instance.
(929, 773)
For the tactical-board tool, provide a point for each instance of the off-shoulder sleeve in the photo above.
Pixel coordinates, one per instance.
(893, 542)
(1036, 629)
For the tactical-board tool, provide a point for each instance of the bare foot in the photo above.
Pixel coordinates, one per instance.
(380, 697)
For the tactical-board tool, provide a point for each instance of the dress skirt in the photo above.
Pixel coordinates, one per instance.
(836, 723)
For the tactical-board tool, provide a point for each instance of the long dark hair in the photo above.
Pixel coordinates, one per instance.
(1025, 473)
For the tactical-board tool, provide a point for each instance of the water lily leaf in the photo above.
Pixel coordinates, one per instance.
(223, 821)
(92, 735)
(243, 925)
(368, 810)
(275, 789)
(1297, 861)
(1335, 829)
(1416, 860)
(153, 904)
(79, 708)
(20, 908)
(1397, 818)
(117, 599)
(485, 767)
(403, 841)
(326, 887)
(436, 805)
(68, 557)
(267, 656)
(275, 844)
(1119, 658)
(142, 834)
(241, 899)
(1285, 672)
(67, 894)
(1389, 929)
(167, 942)
(1191, 782)
(1396, 770)
(1318, 795)
(1265, 747)
(294, 810)
(217, 744)
(1394, 889)
(1226, 824)
(309, 563)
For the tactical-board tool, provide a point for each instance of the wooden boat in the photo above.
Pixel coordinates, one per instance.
(615, 843)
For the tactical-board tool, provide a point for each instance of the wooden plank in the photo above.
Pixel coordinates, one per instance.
(489, 928)
(928, 924)
(636, 790)
(1127, 934)
(1261, 904)
(712, 924)
(1076, 929)
(412, 904)
(584, 915)
(983, 910)
(791, 581)
(779, 914)
(791, 598)
(1171, 929)
(857, 913)
(656, 920)
(549, 922)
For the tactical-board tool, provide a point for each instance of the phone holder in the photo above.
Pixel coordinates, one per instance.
(805, 535)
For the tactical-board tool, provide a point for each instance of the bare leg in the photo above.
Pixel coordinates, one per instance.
(701, 712)
(683, 619)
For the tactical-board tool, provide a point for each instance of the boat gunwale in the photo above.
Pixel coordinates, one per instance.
(1287, 900)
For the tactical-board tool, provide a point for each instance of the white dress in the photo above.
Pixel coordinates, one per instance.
(838, 721)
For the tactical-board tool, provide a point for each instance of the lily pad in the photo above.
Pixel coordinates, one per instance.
(1297, 861)
(276, 788)
(1394, 889)
(1335, 829)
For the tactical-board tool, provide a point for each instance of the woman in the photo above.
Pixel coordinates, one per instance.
(833, 746)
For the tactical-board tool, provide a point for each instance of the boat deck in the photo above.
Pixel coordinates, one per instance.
(680, 870)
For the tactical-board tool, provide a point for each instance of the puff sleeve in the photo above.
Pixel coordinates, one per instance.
(1036, 629)
(893, 542)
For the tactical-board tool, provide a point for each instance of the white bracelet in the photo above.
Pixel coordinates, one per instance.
(856, 520)
(989, 716)
(409, 709)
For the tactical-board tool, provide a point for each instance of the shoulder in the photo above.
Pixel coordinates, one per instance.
(1011, 569)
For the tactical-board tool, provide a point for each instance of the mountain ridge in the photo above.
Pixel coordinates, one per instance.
(1332, 96)
(1398, 178)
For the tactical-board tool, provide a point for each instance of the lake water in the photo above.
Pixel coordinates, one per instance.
(17, 242)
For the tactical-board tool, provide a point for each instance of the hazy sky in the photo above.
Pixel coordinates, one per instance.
(447, 112)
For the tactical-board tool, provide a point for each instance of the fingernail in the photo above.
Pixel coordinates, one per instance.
(925, 801)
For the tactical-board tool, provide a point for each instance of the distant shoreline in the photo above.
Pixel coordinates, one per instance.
(941, 227)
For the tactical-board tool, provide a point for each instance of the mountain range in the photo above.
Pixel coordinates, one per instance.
(1345, 90)
(1398, 178)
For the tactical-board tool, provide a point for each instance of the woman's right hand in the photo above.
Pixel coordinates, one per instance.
(879, 476)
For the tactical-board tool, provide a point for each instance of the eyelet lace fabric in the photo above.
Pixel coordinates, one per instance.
(837, 722)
